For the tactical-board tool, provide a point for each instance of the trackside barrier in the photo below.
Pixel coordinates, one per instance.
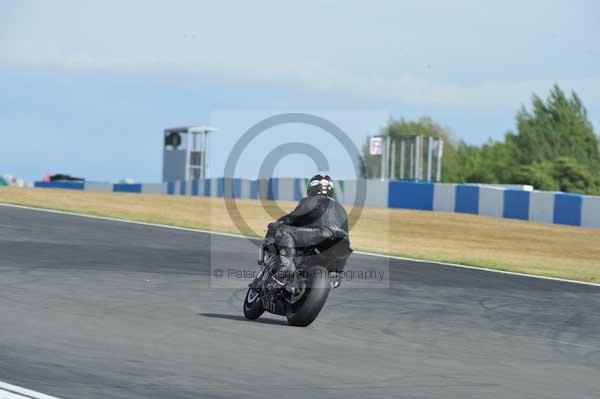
(127, 188)
(491, 201)
(300, 188)
(541, 206)
(516, 204)
(444, 197)
(99, 187)
(245, 189)
(268, 189)
(567, 209)
(69, 185)
(590, 211)
(496, 201)
(409, 195)
(287, 188)
(377, 193)
(232, 188)
(467, 199)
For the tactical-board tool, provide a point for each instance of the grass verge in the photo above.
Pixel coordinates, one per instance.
(517, 246)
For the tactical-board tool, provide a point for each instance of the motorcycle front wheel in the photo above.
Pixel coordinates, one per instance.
(306, 310)
(253, 307)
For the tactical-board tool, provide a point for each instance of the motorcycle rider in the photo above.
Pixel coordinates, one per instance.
(318, 220)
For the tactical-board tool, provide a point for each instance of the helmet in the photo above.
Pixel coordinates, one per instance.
(320, 185)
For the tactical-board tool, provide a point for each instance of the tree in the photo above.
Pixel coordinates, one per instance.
(556, 128)
(572, 176)
(492, 163)
(556, 146)
(540, 175)
(564, 174)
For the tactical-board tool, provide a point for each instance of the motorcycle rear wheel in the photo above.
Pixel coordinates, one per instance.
(306, 310)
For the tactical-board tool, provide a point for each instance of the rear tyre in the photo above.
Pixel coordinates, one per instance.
(253, 307)
(306, 310)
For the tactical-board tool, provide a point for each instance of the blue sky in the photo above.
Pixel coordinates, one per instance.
(87, 87)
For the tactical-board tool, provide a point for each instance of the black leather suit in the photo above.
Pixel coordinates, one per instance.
(318, 221)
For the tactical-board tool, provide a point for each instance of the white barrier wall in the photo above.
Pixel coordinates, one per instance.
(524, 187)
(189, 187)
(339, 186)
(286, 189)
(377, 193)
(214, 187)
(180, 188)
(444, 197)
(590, 212)
(99, 187)
(245, 188)
(154, 188)
(491, 201)
(349, 192)
(541, 206)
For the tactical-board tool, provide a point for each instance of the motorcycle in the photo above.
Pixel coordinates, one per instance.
(302, 298)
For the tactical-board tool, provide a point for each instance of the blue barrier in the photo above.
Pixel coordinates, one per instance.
(69, 185)
(299, 189)
(567, 209)
(254, 189)
(274, 188)
(182, 187)
(171, 188)
(467, 199)
(409, 195)
(232, 188)
(195, 187)
(237, 188)
(127, 188)
(207, 188)
(516, 204)
(220, 187)
(268, 189)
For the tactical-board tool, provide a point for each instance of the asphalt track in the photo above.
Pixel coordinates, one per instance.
(102, 309)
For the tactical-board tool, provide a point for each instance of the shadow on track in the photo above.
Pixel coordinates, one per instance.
(242, 318)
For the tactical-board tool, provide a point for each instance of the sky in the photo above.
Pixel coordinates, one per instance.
(86, 88)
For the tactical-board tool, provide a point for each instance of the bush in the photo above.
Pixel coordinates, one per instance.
(574, 177)
(540, 175)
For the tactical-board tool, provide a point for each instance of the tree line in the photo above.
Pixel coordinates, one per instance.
(554, 148)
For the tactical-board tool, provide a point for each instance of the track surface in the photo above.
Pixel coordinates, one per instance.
(99, 309)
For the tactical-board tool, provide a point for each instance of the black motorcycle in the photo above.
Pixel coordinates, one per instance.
(318, 270)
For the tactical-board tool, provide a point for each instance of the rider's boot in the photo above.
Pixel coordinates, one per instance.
(285, 266)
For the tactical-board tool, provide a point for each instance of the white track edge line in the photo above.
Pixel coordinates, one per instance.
(24, 391)
(166, 226)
